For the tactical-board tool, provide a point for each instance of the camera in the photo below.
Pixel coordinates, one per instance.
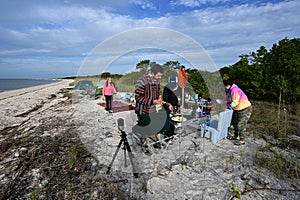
(120, 123)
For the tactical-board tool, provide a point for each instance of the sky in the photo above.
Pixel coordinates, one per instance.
(60, 38)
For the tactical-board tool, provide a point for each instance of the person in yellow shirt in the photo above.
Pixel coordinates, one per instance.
(242, 110)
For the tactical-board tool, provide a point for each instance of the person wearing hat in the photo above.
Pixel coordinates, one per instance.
(170, 98)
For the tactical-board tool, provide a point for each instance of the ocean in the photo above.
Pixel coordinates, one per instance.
(13, 84)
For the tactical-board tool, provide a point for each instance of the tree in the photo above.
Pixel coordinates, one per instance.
(173, 65)
(284, 69)
(144, 65)
(105, 75)
(273, 75)
(257, 73)
(197, 82)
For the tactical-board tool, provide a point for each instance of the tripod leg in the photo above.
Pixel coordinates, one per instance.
(114, 157)
(125, 159)
(131, 157)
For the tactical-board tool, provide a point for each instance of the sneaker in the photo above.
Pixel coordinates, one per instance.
(146, 151)
(230, 137)
(239, 142)
(110, 111)
(157, 146)
(170, 142)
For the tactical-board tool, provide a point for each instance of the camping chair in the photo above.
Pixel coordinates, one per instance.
(156, 127)
(217, 130)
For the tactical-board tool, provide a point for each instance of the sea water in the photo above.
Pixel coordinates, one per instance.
(13, 84)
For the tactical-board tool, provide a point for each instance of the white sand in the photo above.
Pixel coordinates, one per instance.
(16, 102)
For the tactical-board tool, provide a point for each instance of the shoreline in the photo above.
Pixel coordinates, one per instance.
(18, 102)
(18, 92)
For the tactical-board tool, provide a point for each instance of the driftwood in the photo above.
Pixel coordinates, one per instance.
(29, 111)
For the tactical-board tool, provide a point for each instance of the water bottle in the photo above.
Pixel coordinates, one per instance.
(198, 113)
(208, 122)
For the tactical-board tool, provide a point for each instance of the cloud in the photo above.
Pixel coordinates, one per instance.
(63, 34)
(144, 4)
(240, 29)
(195, 3)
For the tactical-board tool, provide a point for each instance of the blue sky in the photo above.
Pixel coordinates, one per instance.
(45, 39)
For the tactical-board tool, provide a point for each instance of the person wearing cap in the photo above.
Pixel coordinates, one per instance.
(242, 110)
(170, 98)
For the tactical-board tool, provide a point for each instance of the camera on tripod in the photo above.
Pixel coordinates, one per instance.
(126, 148)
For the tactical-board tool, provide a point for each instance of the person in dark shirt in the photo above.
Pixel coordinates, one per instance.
(170, 98)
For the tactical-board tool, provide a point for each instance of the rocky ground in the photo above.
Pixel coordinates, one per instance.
(54, 146)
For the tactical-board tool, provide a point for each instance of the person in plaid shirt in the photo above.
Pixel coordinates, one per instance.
(147, 90)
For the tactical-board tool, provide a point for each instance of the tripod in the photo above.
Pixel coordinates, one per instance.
(127, 148)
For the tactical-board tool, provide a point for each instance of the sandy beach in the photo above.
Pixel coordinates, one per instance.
(48, 129)
(16, 102)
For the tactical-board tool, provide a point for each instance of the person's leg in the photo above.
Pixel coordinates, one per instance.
(107, 102)
(242, 125)
(143, 120)
(168, 126)
(235, 122)
(111, 101)
(172, 130)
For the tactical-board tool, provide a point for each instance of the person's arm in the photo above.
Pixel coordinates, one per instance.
(170, 106)
(157, 101)
(114, 89)
(235, 98)
(167, 94)
(139, 92)
(103, 91)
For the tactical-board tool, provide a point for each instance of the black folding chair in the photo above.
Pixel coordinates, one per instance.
(154, 124)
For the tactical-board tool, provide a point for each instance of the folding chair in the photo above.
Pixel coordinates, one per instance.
(217, 130)
(156, 127)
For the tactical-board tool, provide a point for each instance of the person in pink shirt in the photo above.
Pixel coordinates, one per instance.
(242, 110)
(107, 92)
